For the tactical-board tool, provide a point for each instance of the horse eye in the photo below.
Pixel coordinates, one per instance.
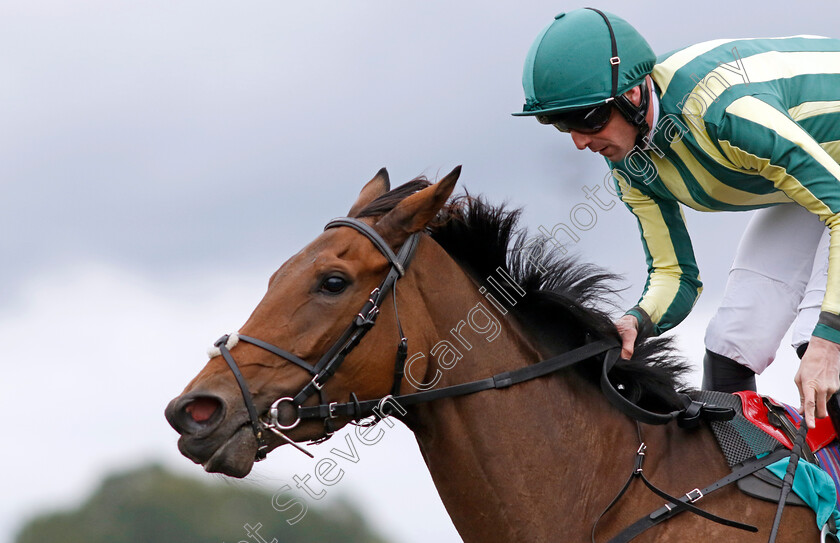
(334, 284)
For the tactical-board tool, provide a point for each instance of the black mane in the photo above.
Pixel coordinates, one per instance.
(565, 303)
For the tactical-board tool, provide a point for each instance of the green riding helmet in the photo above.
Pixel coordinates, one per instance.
(583, 58)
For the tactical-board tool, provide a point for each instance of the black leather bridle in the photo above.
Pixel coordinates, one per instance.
(333, 358)
(364, 321)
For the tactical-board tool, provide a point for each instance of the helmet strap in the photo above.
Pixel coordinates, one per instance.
(635, 115)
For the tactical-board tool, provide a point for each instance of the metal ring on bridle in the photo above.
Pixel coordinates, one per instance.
(381, 405)
(273, 414)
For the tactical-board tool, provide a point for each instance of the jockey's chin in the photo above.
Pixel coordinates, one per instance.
(614, 150)
(615, 154)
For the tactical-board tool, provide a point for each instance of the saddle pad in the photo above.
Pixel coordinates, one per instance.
(739, 438)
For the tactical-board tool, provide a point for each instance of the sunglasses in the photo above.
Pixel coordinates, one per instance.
(586, 120)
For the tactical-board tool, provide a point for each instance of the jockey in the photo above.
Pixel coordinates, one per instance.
(726, 125)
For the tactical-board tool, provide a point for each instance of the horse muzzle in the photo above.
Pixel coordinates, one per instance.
(220, 443)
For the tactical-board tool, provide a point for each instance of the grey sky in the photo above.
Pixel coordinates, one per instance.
(151, 134)
(184, 146)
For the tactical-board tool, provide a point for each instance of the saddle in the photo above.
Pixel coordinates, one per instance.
(762, 425)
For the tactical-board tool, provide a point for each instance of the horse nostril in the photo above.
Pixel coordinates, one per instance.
(195, 413)
(202, 409)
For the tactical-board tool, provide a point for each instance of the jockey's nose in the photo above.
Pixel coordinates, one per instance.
(581, 140)
(195, 413)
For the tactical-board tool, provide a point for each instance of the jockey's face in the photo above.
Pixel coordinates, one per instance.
(618, 137)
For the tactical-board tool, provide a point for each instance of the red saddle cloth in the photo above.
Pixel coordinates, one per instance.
(756, 411)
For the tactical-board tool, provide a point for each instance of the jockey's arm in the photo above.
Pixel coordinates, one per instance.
(673, 282)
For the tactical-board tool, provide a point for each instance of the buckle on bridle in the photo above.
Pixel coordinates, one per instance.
(697, 495)
(640, 458)
(314, 383)
(367, 315)
(329, 430)
(262, 453)
(369, 318)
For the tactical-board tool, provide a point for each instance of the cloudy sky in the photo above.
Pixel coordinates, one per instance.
(159, 160)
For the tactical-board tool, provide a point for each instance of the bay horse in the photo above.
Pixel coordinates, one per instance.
(537, 461)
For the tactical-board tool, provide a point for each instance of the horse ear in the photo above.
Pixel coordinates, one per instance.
(376, 187)
(415, 212)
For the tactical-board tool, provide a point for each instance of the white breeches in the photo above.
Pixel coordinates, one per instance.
(778, 278)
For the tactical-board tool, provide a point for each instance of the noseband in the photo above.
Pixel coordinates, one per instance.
(333, 358)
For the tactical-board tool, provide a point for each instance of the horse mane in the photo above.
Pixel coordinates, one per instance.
(566, 302)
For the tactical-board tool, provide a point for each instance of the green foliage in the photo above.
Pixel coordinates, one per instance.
(151, 505)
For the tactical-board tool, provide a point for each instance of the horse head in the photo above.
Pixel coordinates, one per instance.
(302, 345)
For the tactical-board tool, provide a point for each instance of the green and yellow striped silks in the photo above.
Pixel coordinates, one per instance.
(743, 124)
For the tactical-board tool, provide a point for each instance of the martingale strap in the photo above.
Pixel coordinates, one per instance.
(676, 506)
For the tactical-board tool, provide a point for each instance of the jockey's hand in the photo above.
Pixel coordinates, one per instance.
(627, 327)
(818, 378)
